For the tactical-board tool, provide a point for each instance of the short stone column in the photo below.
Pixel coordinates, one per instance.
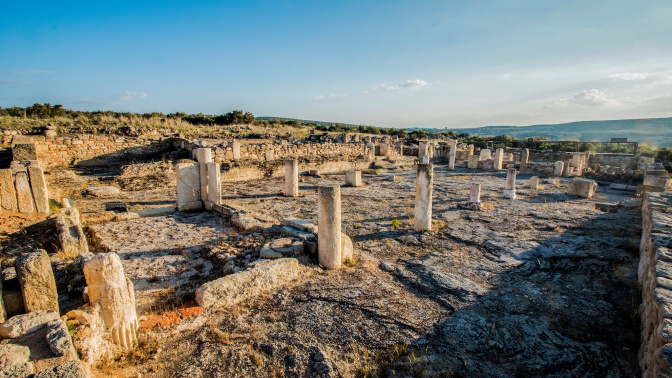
(470, 149)
(533, 183)
(510, 188)
(235, 146)
(499, 157)
(565, 169)
(38, 186)
(524, 157)
(558, 168)
(424, 183)
(451, 156)
(188, 186)
(38, 286)
(292, 178)
(214, 183)
(423, 150)
(472, 162)
(353, 178)
(329, 225)
(109, 287)
(203, 156)
(24, 195)
(7, 191)
(475, 193)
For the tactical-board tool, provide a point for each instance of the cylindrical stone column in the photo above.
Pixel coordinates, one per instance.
(475, 193)
(524, 157)
(510, 189)
(424, 183)
(291, 178)
(451, 159)
(499, 157)
(329, 225)
(203, 156)
(565, 169)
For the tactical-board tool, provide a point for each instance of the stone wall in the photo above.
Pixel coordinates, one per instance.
(655, 278)
(623, 161)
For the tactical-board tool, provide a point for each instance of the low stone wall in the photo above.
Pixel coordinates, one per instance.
(655, 278)
(276, 169)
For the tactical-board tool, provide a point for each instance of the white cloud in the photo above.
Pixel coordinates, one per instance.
(627, 77)
(591, 97)
(330, 95)
(417, 83)
(129, 96)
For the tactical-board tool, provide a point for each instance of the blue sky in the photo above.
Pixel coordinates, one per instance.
(385, 63)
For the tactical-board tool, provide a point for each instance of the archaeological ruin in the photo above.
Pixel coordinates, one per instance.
(333, 255)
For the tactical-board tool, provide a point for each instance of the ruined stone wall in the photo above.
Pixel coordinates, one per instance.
(655, 278)
(628, 162)
(94, 148)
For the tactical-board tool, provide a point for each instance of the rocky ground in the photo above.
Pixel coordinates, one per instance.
(541, 285)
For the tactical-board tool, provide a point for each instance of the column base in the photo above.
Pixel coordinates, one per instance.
(511, 194)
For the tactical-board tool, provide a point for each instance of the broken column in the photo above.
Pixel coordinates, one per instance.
(292, 178)
(423, 150)
(109, 288)
(353, 178)
(510, 189)
(203, 156)
(188, 186)
(235, 146)
(38, 187)
(499, 157)
(451, 156)
(534, 183)
(485, 154)
(472, 162)
(524, 157)
(475, 193)
(38, 286)
(565, 169)
(424, 183)
(329, 225)
(23, 194)
(470, 149)
(7, 191)
(70, 232)
(214, 183)
(558, 168)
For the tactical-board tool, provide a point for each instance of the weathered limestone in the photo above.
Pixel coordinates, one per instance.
(36, 277)
(475, 193)
(534, 183)
(39, 189)
(558, 167)
(472, 162)
(109, 288)
(23, 148)
(425, 159)
(565, 169)
(103, 191)
(485, 154)
(383, 149)
(499, 157)
(510, 189)
(23, 194)
(424, 183)
(292, 178)
(270, 154)
(59, 339)
(423, 150)
(7, 191)
(15, 361)
(451, 156)
(203, 156)
(329, 224)
(347, 249)
(266, 276)
(188, 186)
(582, 188)
(23, 324)
(353, 178)
(70, 232)
(524, 158)
(470, 150)
(235, 147)
(214, 183)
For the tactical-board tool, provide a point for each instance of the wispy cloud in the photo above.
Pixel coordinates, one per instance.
(589, 97)
(27, 72)
(417, 83)
(13, 82)
(330, 95)
(627, 77)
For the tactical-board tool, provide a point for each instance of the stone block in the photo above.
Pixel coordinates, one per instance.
(188, 185)
(472, 162)
(7, 191)
(36, 277)
(15, 361)
(70, 369)
(534, 183)
(39, 189)
(353, 178)
(59, 339)
(103, 191)
(214, 183)
(20, 325)
(24, 196)
(582, 188)
(70, 232)
(23, 148)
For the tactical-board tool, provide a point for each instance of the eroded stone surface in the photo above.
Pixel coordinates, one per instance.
(22, 324)
(37, 281)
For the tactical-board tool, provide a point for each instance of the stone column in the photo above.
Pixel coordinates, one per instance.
(36, 277)
(188, 186)
(534, 183)
(353, 178)
(424, 183)
(475, 193)
(7, 191)
(329, 225)
(214, 183)
(558, 168)
(510, 189)
(451, 157)
(204, 156)
(422, 150)
(499, 157)
(23, 194)
(485, 154)
(524, 157)
(39, 188)
(472, 162)
(576, 160)
(470, 149)
(235, 146)
(292, 178)
(109, 287)
(565, 169)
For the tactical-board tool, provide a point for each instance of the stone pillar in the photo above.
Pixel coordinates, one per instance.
(499, 157)
(422, 150)
(329, 226)
(214, 183)
(475, 193)
(204, 156)
(292, 178)
(7, 191)
(353, 178)
(565, 169)
(70, 233)
(534, 183)
(510, 189)
(451, 157)
(576, 160)
(472, 162)
(235, 146)
(558, 168)
(188, 186)
(270, 153)
(524, 157)
(425, 159)
(470, 149)
(355, 138)
(109, 287)
(33, 268)
(424, 183)
(485, 154)
(23, 194)
(39, 188)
